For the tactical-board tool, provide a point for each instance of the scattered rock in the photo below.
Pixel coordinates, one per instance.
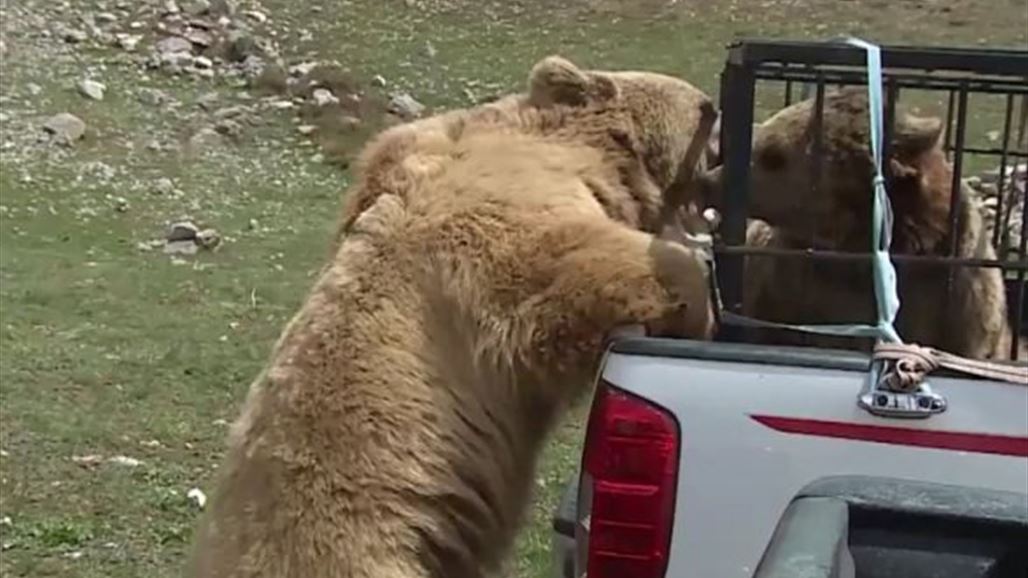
(203, 63)
(252, 66)
(303, 68)
(231, 112)
(1010, 198)
(378, 81)
(240, 46)
(324, 97)
(185, 238)
(208, 101)
(182, 231)
(201, 72)
(175, 61)
(173, 44)
(306, 129)
(164, 186)
(256, 16)
(198, 7)
(153, 96)
(197, 496)
(65, 128)
(106, 18)
(272, 79)
(127, 42)
(204, 138)
(430, 50)
(91, 89)
(74, 36)
(88, 461)
(405, 106)
(171, 8)
(199, 38)
(125, 461)
(349, 122)
(208, 239)
(229, 128)
(222, 7)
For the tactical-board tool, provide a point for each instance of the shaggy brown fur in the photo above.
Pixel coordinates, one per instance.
(836, 216)
(638, 141)
(487, 255)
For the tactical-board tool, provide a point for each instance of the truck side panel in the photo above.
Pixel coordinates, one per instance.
(764, 431)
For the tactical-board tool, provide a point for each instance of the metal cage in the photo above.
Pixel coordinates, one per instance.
(956, 73)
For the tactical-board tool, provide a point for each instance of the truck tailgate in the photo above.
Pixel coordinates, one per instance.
(760, 423)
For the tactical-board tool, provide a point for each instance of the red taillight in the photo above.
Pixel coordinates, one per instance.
(630, 466)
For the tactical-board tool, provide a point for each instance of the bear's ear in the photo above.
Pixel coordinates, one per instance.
(555, 80)
(915, 135)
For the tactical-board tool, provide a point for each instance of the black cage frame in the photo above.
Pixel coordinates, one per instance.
(956, 71)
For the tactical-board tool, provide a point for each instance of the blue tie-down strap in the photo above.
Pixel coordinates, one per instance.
(886, 296)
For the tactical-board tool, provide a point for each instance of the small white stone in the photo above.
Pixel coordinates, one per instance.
(128, 42)
(91, 89)
(197, 496)
(173, 44)
(256, 16)
(324, 97)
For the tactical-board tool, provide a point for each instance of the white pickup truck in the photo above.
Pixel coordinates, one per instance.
(736, 460)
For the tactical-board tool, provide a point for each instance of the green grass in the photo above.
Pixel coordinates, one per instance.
(111, 350)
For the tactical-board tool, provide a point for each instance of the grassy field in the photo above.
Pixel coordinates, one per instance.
(111, 350)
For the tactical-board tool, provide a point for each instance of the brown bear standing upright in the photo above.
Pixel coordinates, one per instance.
(487, 254)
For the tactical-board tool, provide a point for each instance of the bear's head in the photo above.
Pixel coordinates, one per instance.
(665, 121)
(824, 192)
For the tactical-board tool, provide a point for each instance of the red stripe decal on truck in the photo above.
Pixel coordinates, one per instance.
(923, 438)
